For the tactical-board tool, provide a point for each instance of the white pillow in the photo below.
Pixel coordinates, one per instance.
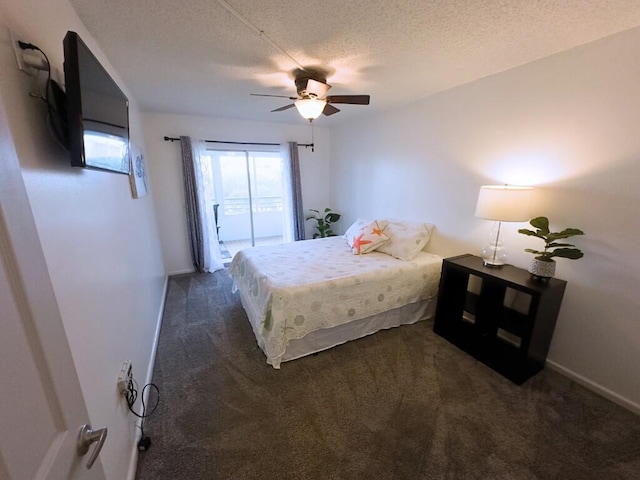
(406, 238)
(355, 228)
(368, 238)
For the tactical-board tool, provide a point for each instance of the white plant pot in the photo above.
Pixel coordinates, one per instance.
(542, 269)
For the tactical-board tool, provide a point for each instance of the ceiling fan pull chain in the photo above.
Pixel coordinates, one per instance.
(313, 142)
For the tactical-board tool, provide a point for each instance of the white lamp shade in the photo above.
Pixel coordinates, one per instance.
(504, 203)
(310, 108)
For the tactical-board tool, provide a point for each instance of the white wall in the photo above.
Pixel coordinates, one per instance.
(101, 246)
(568, 124)
(165, 168)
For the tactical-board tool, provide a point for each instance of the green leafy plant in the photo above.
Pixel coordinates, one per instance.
(552, 248)
(323, 222)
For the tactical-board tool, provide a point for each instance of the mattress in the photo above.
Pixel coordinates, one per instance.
(292, 290)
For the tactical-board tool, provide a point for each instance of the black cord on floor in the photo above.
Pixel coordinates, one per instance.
(132, 395)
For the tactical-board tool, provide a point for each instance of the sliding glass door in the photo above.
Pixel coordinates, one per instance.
(249, 198)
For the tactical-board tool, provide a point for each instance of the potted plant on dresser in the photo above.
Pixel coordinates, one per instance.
(543, 264)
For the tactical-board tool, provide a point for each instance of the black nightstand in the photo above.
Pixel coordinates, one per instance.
(501, 316)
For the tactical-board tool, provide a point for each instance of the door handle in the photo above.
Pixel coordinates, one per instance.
(86, 437)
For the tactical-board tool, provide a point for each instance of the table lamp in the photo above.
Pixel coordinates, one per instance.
(501, 203)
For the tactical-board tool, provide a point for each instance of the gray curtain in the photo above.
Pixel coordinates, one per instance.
(194, 224)
(296, 190)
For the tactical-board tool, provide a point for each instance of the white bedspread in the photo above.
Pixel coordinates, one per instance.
(292, 289)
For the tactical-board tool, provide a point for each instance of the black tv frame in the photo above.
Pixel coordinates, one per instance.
(76, 102)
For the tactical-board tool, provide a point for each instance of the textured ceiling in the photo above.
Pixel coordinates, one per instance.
(194, 57)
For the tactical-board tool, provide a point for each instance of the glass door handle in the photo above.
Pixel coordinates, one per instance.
(86, 437)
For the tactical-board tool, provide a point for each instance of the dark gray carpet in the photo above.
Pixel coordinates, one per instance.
(400, 404)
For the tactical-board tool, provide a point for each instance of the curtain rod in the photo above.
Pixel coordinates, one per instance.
(306, 145)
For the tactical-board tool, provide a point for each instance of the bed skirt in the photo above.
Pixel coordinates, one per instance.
(326, 338)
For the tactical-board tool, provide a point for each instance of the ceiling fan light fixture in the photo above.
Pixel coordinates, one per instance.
(316, 89)
(310, 108)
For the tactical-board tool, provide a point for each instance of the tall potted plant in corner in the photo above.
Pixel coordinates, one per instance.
(323, 222)
(543, 264)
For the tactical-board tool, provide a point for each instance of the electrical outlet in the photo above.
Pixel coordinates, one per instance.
(125, 377)
(18, 53)
(27, 62)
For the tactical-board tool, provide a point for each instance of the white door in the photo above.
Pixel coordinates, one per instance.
(41, 405)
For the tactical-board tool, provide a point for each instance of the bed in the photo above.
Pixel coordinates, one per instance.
(307, 296)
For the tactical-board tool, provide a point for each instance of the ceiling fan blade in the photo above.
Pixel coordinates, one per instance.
(278, 96)
(286, 107)
(330, 110)
(316, 88)
(350, 99)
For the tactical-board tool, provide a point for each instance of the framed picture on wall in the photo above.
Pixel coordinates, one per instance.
(138, 173)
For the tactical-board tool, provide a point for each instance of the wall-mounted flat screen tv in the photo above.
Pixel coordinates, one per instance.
(97, 111)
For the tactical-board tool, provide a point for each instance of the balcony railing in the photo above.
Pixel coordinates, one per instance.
(240, 206)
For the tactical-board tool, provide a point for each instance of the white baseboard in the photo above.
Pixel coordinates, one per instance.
(156, 337)
(133, 463)
(181, 272)
(596, 388)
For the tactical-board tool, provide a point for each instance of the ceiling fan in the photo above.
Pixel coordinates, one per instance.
(312, 101)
